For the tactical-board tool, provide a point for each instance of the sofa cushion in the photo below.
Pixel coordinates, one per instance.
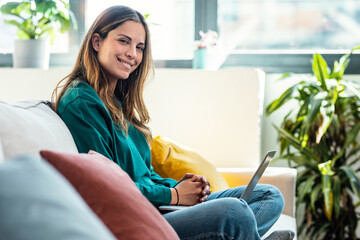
(1, 152)
(29, 126)
(170, 160)
(112, 195)
(36, 202)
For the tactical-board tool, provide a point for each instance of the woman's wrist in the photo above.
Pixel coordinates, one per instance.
(177, 196)
(174, 196)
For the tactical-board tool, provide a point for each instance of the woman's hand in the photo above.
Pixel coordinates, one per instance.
(205, 184)
(190, 192)
(206, 188)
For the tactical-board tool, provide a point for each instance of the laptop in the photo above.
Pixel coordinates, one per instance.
(248, 190)
(256, 177)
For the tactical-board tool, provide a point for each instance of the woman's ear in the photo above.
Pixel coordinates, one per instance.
(95, 41)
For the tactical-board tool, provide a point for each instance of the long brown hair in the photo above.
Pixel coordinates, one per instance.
(87, 68)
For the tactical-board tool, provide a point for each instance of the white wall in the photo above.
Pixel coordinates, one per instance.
(216, 113)
(38, 84)
(28, 83)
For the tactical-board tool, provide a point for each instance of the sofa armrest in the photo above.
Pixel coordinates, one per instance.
(282, 178)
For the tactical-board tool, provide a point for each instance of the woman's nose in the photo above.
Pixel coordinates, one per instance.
(131, 52)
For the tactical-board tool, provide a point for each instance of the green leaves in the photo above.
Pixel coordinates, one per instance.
(319, 136)
(320, 70)
(276, 104)
(313, 110)
(304, 187)
(340, 67)
(327, 111)
(325, 168)
(326, 186)
(39, 19)
(337, 196)
(296, 143)
(328, 195)
(350, 138)
(16, 8)
(353, 179)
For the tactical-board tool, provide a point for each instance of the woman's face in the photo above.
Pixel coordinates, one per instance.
(121, 52)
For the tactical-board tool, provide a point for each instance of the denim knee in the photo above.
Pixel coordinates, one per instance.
(275, 196)
(235, 219)
(224, 218)
(271, 202)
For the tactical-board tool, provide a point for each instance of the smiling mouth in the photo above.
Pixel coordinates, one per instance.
(124, 63)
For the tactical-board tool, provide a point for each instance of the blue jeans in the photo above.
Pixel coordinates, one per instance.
(226, 216)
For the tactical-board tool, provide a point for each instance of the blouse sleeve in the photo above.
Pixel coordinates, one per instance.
(87, 123)
(169, 182)
(92, 129)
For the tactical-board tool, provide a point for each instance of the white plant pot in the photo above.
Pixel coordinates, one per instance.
(31, 53)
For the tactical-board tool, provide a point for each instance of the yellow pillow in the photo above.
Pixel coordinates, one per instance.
(169, 160)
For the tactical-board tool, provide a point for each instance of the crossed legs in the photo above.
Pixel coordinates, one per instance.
(226, 216)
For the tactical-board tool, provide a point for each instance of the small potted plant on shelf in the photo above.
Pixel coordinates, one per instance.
(205, 51)
(38, 22)
(319, 137)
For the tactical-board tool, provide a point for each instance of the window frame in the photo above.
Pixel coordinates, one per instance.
(205, 19)
(280, 62)
(272, 62)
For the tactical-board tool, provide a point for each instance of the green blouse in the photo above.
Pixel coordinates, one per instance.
(92, 129)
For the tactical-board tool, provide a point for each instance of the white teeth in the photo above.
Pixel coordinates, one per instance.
(124, 63)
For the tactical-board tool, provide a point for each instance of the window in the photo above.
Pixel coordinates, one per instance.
(295, 25)
(8, 35)
(282, 35)
(276, 35)
(171, 24)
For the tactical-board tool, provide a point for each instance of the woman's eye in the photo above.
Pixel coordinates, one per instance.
(140, 48)
(123, 41)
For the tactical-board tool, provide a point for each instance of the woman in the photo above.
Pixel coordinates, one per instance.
(101, 102)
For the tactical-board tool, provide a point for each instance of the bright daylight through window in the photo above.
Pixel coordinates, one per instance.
(171, 24)
(250, 31)
(8, 35)
(291, 26)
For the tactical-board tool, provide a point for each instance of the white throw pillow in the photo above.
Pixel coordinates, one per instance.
(1, 153)
(31, 126)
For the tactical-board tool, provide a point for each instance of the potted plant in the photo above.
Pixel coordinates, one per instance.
(319, 138)
(204, 54)
(37, 22)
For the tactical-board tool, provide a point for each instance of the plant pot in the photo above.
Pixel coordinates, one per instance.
(208, 59)
(200, 58)
(31, 53)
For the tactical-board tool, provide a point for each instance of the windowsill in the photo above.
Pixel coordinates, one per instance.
(269, 62)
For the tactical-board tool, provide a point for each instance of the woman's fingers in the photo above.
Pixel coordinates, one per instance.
(204, 199)
(206, 190)
(205, 184)
(187, 176)
(190, 192)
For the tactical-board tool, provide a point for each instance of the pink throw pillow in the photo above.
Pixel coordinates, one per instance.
(112, 195)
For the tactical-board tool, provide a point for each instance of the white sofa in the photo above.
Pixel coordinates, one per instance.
(216, 113)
